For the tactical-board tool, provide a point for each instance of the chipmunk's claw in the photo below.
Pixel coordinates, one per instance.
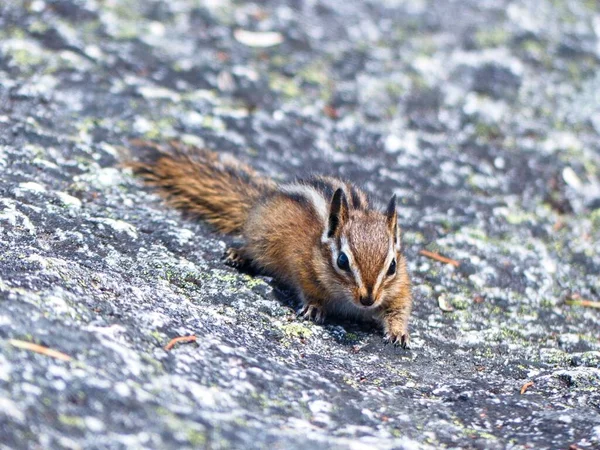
(398, 340)
(233, 258)
(396, 330)
(312, 312)
(405, 341)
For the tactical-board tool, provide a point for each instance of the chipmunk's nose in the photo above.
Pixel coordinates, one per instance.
(367, 300)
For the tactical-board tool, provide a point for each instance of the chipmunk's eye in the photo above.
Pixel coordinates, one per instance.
(392, 270)
(343, 262)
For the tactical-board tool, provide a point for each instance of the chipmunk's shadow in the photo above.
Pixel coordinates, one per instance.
(353, 327)
(285, 295)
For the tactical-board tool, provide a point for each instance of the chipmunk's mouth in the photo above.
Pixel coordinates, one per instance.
(370, 307)
(367, 301)
(367, 307)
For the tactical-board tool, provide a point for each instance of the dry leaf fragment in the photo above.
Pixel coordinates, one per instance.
(261, 39)
(439, 257)
(179, 339)
(585, 303)
(39, 349)
(526, 386)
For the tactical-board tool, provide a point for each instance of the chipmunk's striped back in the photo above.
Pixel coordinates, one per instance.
(316, 193)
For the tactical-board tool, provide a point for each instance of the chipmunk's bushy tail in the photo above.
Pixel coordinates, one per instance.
(217, 188)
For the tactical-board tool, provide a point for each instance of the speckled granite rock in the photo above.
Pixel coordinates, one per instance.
(483, 116)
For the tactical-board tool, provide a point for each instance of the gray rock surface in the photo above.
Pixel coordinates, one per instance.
(483, 116)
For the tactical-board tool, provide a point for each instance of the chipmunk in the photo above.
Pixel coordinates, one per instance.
(319, 235)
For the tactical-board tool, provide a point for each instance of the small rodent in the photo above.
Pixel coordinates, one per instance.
(319, 236)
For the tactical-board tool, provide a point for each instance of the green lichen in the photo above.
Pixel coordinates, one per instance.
(226, 277)
(193, 432)
(37, 26)
(556, 357)
(253, 282)
(396, 433)
(162, 128)
(157, 336)
(476, 233)
(286, 86)
(547, 303)
(297, 330)
(460, 302)
(71, 421)
(515, 217)
(487, 131)
(351, 382)
(315, 73)
(511, 335)
(413, 237)
(25, 58)
(196, 438)
(350, 337)
(213, 123)
(394, 90)
(492, 37)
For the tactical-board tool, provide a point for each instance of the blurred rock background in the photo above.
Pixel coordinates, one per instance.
(482, 115)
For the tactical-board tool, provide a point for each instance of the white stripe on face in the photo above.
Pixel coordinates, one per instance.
(345, 248)
(386, 265)
(398, 242)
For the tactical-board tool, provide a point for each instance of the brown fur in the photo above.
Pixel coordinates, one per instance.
(396, 308)
(219, 190)
(368, 236)
(292, 231)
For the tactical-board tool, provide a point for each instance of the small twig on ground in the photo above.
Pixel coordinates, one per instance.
(526, 386)
(39, 349)
(439, 257)
(137, 142)
(582, 302)
(179, 339)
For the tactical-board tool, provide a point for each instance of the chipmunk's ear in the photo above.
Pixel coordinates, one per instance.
(392, 220)
(338, 212)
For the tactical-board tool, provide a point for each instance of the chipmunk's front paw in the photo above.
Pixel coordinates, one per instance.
(312, 312)
(396, 333)
(234, 258)
(401, 340)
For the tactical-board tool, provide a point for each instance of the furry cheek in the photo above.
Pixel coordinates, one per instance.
(340, 290)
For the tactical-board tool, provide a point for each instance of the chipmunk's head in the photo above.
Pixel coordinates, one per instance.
(364, 251)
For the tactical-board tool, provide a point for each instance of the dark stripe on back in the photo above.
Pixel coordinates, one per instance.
(298, 198)
(357, 202)
(323, 186)
(327, 187)
(302, 200)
